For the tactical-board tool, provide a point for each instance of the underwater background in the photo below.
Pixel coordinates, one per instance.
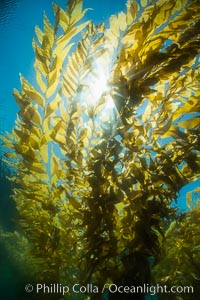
(17, 22)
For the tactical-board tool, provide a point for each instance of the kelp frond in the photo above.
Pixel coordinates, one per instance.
(181, 252)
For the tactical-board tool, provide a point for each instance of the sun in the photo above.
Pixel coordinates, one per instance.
(95, 89)
(97, 82)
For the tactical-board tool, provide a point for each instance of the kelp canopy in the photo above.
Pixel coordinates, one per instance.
(104, 140)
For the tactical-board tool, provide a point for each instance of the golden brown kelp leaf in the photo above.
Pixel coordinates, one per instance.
(146, 55)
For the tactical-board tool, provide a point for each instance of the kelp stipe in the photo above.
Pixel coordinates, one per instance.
(98, 170)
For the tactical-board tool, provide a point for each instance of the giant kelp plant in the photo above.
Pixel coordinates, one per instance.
(104, 140)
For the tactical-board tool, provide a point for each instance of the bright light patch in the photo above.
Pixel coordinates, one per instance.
(99, 85)
(109, 103)
(95, 91)
(97, 82)
(108, 108)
